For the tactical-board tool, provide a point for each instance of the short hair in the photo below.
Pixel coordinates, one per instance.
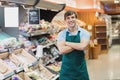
(68, 13)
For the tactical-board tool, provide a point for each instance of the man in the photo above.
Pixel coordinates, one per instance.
(72, 42)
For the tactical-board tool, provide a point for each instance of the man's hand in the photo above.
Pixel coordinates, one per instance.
(63, 48)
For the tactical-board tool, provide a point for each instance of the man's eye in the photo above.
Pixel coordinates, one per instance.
(68, 18)
(73, 17)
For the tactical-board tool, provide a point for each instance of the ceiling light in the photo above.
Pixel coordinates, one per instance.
(116, 1)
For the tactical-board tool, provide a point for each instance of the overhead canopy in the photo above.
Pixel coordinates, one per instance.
(36, 3)
(47, 9)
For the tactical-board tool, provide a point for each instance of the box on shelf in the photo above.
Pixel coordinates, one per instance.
(17, 57)
(12, 61)
(24, 56)
(24, 76)
(41, 73)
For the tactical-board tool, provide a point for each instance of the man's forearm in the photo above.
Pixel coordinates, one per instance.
(65, 49)
(77, 46)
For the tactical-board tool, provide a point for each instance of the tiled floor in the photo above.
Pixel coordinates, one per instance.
(107, 66)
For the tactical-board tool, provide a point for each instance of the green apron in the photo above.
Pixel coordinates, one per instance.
(73, 64)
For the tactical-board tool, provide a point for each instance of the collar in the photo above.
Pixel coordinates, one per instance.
(79, 29)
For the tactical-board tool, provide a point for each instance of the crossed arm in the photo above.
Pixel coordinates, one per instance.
(66, 47)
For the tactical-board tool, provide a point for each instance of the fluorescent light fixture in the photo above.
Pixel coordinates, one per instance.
(116, 1)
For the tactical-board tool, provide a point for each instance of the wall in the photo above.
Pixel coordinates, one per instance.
(12, 31)
(22, 15)
(85, 4)
(1, 17)
(89, 18)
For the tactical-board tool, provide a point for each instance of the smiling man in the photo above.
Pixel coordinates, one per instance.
(71, 43)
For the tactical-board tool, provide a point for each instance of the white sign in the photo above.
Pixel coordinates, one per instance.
(11, 16)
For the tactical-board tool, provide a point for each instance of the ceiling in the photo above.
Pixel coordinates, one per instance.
(110, 7)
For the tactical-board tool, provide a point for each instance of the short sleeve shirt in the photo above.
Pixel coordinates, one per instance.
(84, 34)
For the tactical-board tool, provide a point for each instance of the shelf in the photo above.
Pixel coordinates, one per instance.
(104, 51)
(7, 75)
(104, 47)
(35, 33)
(47, 45)
(104, 44)
(2, 51)
(51, 60)
(19, 69)
(101, 38)
(7, 50)
(51, 43)
(101, 35)
(100, 25)
(56, 77)
(24, 34)
(100, 31)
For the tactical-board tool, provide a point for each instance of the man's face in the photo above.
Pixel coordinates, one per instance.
(71, 20)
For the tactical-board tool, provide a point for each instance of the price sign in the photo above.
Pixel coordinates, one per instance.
(34, 16)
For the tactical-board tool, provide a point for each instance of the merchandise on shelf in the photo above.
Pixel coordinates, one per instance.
(54, 66)
(42, 28)
(40, 73)
(24, 56)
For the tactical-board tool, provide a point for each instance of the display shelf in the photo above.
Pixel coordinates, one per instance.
(56, 77)
(35, 33)
(100, 28)
(7, 49)
(7, 75)
(52, 71)
(101, 32)
(101, 35)
(103, 25)
(19, 69)
(52, 60)
(102, 40)
(2, 51)
(103, 46)
(47, 45)
(48, 11)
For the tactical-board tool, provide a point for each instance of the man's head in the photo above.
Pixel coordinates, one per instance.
(70, 17)
(68, 13)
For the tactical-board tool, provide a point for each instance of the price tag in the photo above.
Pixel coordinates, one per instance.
(1, 77)
(19, 69)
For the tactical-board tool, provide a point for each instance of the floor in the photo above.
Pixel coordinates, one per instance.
(107, 66)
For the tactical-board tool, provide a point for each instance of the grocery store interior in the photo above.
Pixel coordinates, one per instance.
(28, 37)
